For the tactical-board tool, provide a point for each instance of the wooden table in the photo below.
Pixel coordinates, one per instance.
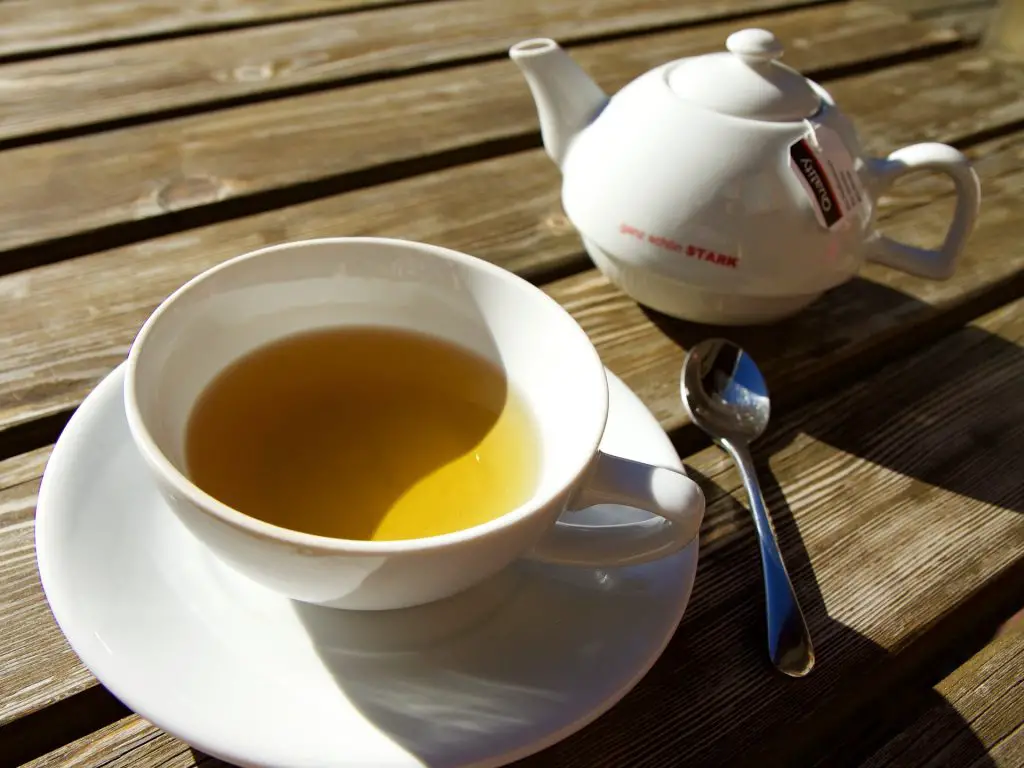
(142, 142)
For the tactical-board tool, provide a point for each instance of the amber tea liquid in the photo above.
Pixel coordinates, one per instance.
(364, 433)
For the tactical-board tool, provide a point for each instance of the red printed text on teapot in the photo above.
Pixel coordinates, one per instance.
(691, 250)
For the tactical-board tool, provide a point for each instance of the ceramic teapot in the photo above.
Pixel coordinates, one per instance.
(727, 188)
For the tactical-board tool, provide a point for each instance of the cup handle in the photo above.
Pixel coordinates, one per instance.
(938, 264)
(674, 498)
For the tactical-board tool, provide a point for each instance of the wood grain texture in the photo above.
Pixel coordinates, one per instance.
(801, 356)
(981, 702)
(972, 18)
(1005, 35)
(972, 23)
(935, 9)
(38, 27)
(317, 141)
(59, 93)
(57, 349)
(893, 509)
(507, 211)
(34, 674)
(125, 744)
(26, 466)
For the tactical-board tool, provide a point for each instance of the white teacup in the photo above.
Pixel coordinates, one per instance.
(251, 300)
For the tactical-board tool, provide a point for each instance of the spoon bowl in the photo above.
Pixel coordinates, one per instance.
(724, 392)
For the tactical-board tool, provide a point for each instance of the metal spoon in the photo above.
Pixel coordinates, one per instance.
(725, 395)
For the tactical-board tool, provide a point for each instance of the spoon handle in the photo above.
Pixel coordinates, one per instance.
(789, 641)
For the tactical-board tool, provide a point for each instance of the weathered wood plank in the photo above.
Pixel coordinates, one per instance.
(934, 9)
(116, 280)
(58, 347)
(971, 18)
(144, 173)
(125, 744)
(1003, 157)
(59, 93)
(38, 27)
(893, 511)
(18, 469)
(1005, 34)
(507, 211)
(34, 674)
(982, 702)
(971, 23)
(893, 507)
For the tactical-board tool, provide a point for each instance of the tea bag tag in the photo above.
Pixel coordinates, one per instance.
(824, 167)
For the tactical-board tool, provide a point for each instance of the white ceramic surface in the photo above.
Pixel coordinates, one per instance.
(265, 295)
(746, 80)
(491, 675)
(683, 188)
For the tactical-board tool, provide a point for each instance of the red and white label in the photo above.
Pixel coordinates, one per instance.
(824, 167)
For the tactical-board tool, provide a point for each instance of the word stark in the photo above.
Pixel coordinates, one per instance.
(693, 251)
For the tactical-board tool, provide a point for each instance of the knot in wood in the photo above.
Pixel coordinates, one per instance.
(189, 192)
(558, 222)
(252, 73)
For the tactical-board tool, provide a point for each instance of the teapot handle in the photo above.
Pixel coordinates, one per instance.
(938, 264)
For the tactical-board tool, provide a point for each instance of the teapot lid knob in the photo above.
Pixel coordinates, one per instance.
(745, 81)
(754, 45)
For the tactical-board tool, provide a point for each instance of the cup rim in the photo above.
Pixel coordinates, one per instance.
(208, 504)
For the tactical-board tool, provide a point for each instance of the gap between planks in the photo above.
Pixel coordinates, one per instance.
(857, 725)
(507, 211)
(847, 329)
(850, 503)
(884, 545)
(467, 203)
(72, 95)
(875, 304)
(112, 188)
(987, 696)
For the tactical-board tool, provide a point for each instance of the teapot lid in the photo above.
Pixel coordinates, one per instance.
(748, 81)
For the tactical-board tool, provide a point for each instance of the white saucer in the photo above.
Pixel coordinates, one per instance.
(481, 679)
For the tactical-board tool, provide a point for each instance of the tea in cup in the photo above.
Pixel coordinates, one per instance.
(419, 435)
(370, 423)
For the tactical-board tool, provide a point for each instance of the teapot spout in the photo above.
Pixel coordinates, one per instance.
(566, 98)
